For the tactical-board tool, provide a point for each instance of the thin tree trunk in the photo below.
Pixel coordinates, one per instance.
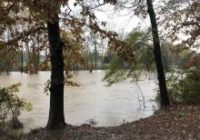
(28, 61)
(95, 55)
(56, 111)
(21, 61)
(38, 61)
(38, 54)
(158, 57)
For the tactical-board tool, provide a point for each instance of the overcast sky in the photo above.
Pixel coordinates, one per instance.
(122, 21)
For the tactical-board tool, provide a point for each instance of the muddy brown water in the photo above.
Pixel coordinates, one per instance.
(92, 103)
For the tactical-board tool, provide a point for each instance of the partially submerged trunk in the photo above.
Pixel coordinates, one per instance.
(56, 111)
(28, 61)
(21, 61)
(164, 99)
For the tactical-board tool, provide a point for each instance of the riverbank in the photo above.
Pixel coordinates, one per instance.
(176, 123)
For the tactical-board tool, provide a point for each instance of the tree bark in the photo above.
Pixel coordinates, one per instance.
(164, 99)
(56, 111)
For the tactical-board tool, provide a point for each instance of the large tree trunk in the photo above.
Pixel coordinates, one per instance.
(56, 111)
(158, 57)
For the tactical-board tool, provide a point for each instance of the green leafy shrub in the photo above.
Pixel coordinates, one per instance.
(184, 86)
(11, 106)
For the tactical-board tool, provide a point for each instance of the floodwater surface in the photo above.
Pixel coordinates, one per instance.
(92, 103)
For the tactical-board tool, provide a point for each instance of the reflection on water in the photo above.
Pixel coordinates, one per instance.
(92, 102)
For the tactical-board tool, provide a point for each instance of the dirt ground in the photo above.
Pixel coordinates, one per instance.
(175, 123)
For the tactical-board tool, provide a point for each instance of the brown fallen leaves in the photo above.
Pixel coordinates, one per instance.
(176, 123)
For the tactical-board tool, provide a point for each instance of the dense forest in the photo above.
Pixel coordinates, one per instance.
(66, 38)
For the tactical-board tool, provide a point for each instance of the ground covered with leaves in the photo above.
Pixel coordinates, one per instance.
(175, 123)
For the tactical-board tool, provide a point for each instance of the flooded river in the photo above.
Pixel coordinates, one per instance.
(91, 103)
